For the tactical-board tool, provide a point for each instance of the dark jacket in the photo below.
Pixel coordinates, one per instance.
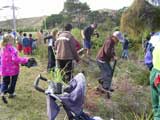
(106, 52)
(65, 47)
(125, 44)
(88, 31)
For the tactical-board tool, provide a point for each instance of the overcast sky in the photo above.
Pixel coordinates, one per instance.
(33, 8)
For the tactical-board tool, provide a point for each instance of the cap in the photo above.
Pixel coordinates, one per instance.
(119, 36)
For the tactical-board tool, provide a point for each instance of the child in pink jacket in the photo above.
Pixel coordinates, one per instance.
(9, 66)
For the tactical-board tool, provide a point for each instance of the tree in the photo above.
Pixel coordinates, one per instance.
(73, 6)
(140, 18)
(76, 10)
(53, 20)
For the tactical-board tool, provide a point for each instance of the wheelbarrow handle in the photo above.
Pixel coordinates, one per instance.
(36, 83)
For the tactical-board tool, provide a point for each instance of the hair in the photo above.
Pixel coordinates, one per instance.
(30, 35)
(20, 32)
(25, 34)
(54, 32)
(68, 27)
(6, 39)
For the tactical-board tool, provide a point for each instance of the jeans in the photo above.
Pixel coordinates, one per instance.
(106, 74)
(125, 53)
(8, 84)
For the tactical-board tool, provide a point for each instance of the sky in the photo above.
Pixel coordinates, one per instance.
(34, 8)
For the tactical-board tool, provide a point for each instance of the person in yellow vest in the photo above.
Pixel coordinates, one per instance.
(155, 79)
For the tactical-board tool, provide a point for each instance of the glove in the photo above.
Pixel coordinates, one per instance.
(31, 63)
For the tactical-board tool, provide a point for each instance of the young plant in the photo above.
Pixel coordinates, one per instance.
(57, 76)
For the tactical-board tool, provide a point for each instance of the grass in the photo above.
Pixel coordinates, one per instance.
(130, 101)
(28, 104)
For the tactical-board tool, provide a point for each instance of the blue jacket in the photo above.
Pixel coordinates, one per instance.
(26, 42)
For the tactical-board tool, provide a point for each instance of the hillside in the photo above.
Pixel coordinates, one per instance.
(146, 19)
(34, 22)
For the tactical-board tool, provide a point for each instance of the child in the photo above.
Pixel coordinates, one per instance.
(26, 44)
(9, 66)
(31, 42)
(19, 41)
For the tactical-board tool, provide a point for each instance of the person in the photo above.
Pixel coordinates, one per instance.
(155, 79)
(125, 49)
(66, 51)
(104, 57)
(40, 37)
(20, 41)
(86, 35)
(1, 36)
(150, 47)
(78, 45)
(26, 44)
(9, 66)
(51, 55)
(30, 43)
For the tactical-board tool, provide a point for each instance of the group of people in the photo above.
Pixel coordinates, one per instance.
(65, 51)
(25, 43)
(62, 51)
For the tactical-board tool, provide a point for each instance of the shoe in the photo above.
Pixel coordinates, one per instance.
(4, 99)
(111, 89)
(12, 95)
(100, 88)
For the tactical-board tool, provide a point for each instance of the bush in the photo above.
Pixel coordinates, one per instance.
(41, 52)
(145, 19)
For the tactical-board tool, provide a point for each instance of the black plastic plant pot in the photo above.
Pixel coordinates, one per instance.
(57, 88)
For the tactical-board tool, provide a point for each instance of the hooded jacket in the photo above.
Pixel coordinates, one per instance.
(9, 61)
(65, 47)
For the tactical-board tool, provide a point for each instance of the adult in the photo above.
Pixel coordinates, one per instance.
(51, 55)
(150, 47)
(66, 51)
(155, 78)
(86, 35)
(104, 57)
(40, 37)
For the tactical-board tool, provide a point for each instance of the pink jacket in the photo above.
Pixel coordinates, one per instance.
(9, 61)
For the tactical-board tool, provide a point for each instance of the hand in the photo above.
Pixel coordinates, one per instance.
(115, 58)
(97, 34)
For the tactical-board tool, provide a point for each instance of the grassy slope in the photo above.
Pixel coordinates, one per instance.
(128, 102)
